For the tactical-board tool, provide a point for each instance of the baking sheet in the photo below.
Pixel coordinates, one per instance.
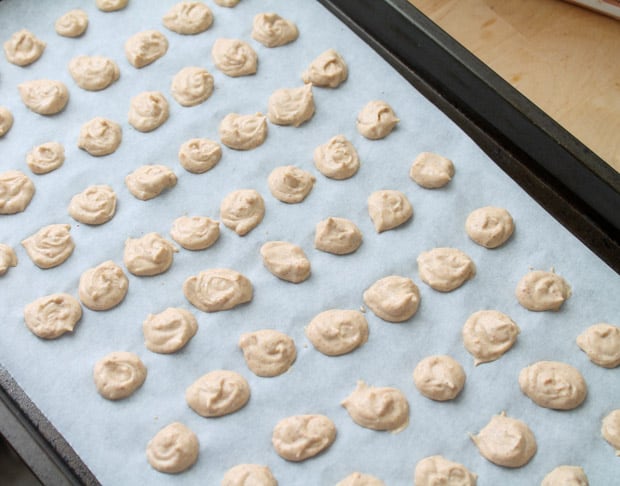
(111, 436)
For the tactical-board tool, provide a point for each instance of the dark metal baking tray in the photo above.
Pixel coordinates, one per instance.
(565, 177)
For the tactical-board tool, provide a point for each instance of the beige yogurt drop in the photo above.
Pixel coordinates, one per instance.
(488, 334)
(44, 96)
(542, 291)
(50, 246)
(336, 332)
(111, 5)
(291, 106)
(199, 155)
(249, 474)
(119, 374)
(393, 298)
(195, 232)
(93, 73)
(148, 255)
(94, 205)
(169, 330)
(227, 3)
(290, 184)
(268, 352)
(566, 476)
(376, 120)
(148, 111)
(439, 377)
(242, 210)
(378, 408)
(389, 209)
(217, 289)
(610, 429)
(489, 226)
(6, 121)
(360, 479)
(103, 287)
(72, 24)
(286, 261)
(218, 393)
(191, 86)
(188, 18)
(338, 236)
(337, 158)
(506, 441)
(601, 342)
(23, 48)
(271, 30)
(149, 181)
(431, 171)
(300, 437)
(243, 132)
(437, 470)
(445, 269)
(16, 192)
(52, 316)
(328, 70)
(173, 449)
(8, 258)
(100, 136)
(144, 48)
(553, 384)
(234, 57)
(45, 158)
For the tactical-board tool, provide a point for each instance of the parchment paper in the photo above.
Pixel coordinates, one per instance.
(111, 436)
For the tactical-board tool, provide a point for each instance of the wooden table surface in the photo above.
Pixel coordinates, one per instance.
(564, 58)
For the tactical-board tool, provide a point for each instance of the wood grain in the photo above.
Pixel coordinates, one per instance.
(564, 58)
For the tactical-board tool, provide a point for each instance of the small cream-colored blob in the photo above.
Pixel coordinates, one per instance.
(148, 111)
(111, 5)
(268, 352)
(44, 96)
(93, 73)
(100, 136)
(51, 316)
(611, 430)
(506, 441)
(149, 181)
(16, 191)
(301, 437)
(271, 30)
(290, 184)
(542, 291)
(431, 171)
(359, 479)
(119, 374)
(378, 408)
(6, 121)
(242, 210)
(389, 209)
(46, 157)
(198, 155)
(8, 258)
(195, 232)
(445, 269)
(327, 71)
(23, 48)
(249, 475)
(437, 470)
(488, 334)
(188, 18)
(335, 332)
(72, 24)
(94, 205)
(169, 331)
(376, 120)
(292, 106)
(566, 476)
(50, 246)
(338, 236)
(192, 86)
(439, 377)
(149, 255)
(218, 393)
(286, 261)
(145, 47)
(489, 226)
(393, 298)
(243, 132)
(234, 57)
(337, 159)
(103, 287)
(601, 342)
(174, 449)
(227, 3)
(552, 384)
(217, 290)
